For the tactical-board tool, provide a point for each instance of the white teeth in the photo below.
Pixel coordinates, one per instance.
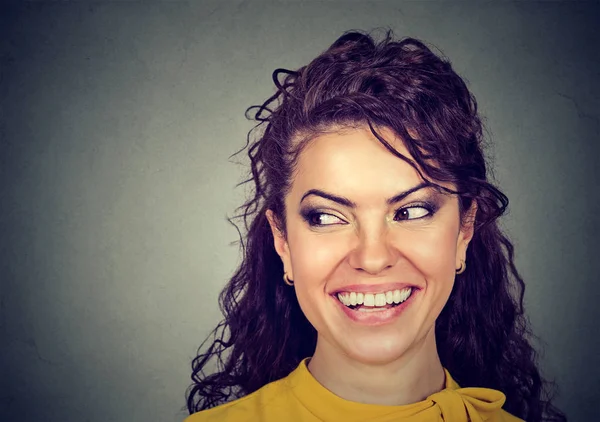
(374, 300)
(343, 298)
(404, 295)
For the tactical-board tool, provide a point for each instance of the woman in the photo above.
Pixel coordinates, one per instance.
(376, 284)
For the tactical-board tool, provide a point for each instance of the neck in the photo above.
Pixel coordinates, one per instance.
(411, 378)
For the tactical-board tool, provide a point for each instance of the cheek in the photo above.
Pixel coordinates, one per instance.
(433, 252)
(316, 255)
(314, 258)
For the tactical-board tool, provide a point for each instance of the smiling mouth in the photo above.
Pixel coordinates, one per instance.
(371, 302)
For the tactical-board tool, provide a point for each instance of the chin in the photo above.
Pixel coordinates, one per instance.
(378, 353)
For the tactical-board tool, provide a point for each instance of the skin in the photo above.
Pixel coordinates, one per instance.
(395, 363)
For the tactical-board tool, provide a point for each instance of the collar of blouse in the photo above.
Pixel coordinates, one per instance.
(453, 404)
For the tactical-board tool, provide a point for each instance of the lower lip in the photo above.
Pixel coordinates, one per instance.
(384, 316)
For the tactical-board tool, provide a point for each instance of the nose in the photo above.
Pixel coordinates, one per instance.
(374, 252)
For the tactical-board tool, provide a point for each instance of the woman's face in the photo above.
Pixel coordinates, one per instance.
(353, 235)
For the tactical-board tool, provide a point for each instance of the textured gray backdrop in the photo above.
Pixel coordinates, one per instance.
(117, 123)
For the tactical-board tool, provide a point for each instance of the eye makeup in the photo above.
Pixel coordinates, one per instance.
(311, 216)
(430, 207)
(415, 211)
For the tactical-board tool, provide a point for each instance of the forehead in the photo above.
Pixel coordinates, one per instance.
(355, 163)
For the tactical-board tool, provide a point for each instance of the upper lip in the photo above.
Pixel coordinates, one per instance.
(373, 288)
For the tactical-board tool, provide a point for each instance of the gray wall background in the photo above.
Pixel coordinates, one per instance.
(117, 123)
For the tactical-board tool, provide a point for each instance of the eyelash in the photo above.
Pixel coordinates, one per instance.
(308, 215)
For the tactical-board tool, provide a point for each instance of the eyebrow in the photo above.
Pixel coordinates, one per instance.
(348, 203)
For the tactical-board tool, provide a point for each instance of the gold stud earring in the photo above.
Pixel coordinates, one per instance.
(287, 280)
(463, 267)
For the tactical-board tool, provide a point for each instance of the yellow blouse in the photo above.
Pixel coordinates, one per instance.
(300, 398)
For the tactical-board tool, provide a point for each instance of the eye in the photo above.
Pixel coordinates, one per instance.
(413, 213)
(322, 219)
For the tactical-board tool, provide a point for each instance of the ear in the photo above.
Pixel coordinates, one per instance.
(280, 243)
(465, 234)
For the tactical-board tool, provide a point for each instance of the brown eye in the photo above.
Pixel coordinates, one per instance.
(323, 219)
(412, 213)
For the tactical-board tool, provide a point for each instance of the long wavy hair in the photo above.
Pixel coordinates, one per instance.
(483, 336)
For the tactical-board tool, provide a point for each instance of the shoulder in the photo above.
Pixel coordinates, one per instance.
(274, 397)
